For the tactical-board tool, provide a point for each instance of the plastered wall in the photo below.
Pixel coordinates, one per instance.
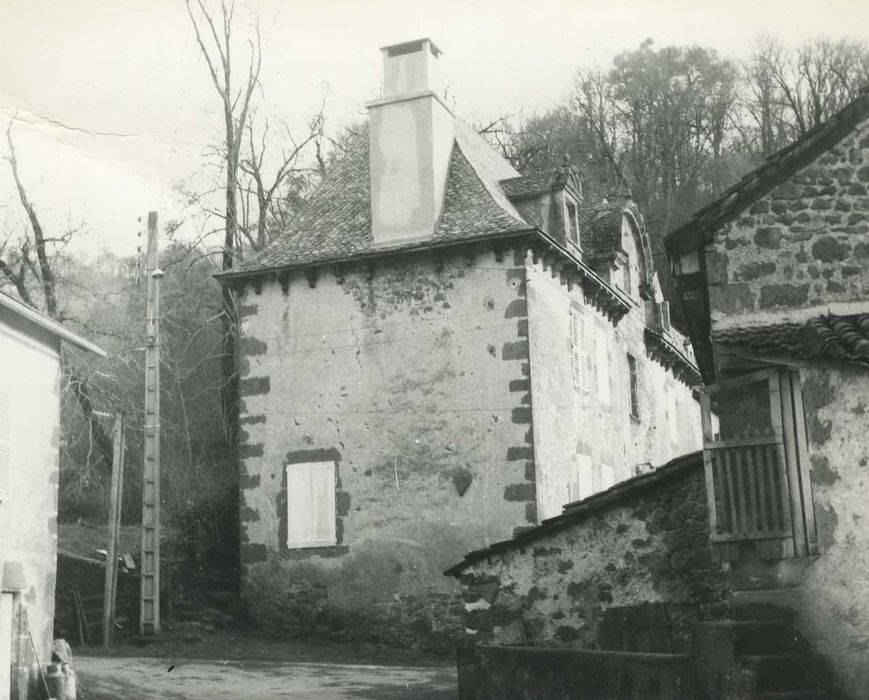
(587, 440)
(833, 610)
(412, 375)
(28, 517)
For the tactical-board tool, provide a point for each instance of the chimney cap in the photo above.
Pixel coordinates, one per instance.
(411, 47)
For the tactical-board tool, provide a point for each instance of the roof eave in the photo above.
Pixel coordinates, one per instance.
(53, 327)
(230, 276)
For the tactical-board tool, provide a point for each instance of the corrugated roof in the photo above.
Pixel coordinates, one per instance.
(335, 224)
(829, 336)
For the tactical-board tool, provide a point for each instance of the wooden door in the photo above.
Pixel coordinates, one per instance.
(757, 467)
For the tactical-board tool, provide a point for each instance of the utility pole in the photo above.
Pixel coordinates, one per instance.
(149, 608)
(115, 502)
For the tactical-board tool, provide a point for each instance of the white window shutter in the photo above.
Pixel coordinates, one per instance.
(574, 347)
(323, 498)
(311, 504)
(5, 444)
(579, 345)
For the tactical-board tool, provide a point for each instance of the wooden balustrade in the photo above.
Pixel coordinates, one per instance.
(749, 489)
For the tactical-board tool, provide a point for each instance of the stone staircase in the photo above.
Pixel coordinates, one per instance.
(774, 661)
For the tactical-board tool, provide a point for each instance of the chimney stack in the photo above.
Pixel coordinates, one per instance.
(410, 144)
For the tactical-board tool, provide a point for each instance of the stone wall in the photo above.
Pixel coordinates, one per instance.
(587, 440)
(412, 375)
(833, 609)
(803, 244)
(628, 570)
(495, 673)
(30, 372)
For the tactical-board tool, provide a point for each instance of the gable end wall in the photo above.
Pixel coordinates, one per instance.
(804, 244)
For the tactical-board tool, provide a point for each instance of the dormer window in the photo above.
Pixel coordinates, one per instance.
(572, 227)
(626, 276)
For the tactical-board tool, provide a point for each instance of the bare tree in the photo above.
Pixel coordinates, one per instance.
(789, 92)
(28, 264)
(215, 45)
(290, 178)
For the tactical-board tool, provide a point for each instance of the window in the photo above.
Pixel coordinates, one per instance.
(5, 442)
(572, 227)
(626, 276)
(603, 365)
(635, 391)
(579, 347)
(311, 504)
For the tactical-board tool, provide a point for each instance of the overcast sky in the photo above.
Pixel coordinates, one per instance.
(115, 104)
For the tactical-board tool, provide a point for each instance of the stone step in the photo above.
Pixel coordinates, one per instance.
(771, 636)
(782, 672)
(764, 604)
(765, 575)
(807, 694)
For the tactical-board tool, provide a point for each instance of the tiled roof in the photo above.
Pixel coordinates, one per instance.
(778, 167)
(602, 232)
(834, 337)
(335, 224)
(525, 185)
(580, 510)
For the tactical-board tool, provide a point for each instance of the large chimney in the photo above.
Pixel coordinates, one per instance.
(410, 143)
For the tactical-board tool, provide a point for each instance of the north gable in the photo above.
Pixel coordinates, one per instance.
(804, 244)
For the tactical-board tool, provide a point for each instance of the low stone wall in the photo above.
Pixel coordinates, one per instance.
(628, 569)
(495, 673)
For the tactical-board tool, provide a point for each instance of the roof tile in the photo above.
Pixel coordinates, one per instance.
(335, 224)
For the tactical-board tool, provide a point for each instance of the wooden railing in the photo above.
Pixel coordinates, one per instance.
(748, 489)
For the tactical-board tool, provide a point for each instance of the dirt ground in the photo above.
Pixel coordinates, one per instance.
(111, 678)
(240, 665)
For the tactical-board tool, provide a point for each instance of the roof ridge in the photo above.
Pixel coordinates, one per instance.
(777, 167)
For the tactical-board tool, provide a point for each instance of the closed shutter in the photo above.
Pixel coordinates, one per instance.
(5, 442)
(579, 346)
(311, 504)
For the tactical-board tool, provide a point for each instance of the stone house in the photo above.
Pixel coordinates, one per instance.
(774, 281)
(29, 441)
(437, 352)
(742, 570)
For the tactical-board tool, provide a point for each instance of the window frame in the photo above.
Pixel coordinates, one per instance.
(578, 332)
(295, 498)
(633, 387)
(572, 217)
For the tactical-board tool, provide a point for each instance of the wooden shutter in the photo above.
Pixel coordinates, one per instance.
(5, 442)
(579, 346)
(311, 504)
